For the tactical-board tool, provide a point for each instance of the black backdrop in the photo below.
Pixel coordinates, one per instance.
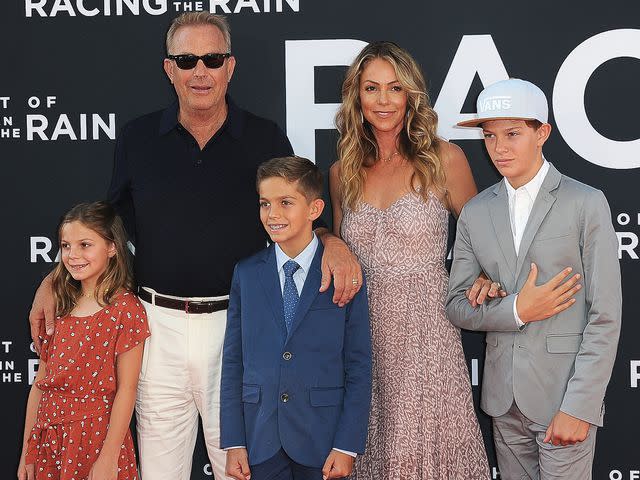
(74, 71)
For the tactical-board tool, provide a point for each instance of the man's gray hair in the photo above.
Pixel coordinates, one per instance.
(199, 18)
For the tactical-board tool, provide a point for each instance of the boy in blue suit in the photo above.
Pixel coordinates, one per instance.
(296, 369)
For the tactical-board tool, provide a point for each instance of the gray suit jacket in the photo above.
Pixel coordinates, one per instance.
(564, 362)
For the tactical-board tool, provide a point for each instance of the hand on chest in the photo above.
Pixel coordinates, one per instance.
(547, 234)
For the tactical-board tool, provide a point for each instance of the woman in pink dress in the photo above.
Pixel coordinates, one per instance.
(392, 190)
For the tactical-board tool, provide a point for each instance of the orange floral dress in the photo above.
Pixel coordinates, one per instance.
(79, 389)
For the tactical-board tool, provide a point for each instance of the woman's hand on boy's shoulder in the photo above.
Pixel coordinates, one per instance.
(341, 264)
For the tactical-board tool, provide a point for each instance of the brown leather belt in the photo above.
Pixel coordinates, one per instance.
(187, 306)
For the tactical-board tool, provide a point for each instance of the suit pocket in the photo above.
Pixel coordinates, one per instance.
(492, 339)
(250, 393)
(315, 308)
(543, 237)
(326, 397)
(564, 343)
(324, 301)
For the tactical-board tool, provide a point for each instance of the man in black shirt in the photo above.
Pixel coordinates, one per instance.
(184, 183)
(191, 211)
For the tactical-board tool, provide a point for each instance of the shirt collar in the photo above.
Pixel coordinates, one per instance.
(532, 187)
(304, 258)
(234, 122)
(169, 119)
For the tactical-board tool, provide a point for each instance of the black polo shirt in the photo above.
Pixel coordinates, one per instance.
(191, 213)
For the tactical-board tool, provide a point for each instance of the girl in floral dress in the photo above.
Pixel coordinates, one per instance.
(80, 405)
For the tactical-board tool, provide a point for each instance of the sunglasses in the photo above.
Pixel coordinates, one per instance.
(189, 61)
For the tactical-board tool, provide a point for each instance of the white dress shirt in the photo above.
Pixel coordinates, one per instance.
(521, 202)
(304, 259)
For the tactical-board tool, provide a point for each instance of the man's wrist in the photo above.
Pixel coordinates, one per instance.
(515, 312)
(519, 314)
(346, 452)
(109, 454)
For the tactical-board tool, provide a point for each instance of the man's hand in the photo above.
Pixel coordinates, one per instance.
(339, 262)
(338, 465)
(43, 308)
(565, 429)
(482, 289)
(26, 471)
(541, 302)
(238, 464)
(104, 469)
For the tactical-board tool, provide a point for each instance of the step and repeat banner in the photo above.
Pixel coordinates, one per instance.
(75, 71)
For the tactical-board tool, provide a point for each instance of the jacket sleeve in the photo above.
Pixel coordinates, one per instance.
(496, 315)
(232, 433)
(603, 294)
(352, 428)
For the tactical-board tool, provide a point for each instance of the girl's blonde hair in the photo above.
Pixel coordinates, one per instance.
(418, 141)
(102, 219)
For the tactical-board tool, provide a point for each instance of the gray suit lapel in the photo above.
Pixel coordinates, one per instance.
(499, 212)
(541, 207)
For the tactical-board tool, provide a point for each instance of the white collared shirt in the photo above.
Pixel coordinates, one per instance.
(521, 202)
(304, 259)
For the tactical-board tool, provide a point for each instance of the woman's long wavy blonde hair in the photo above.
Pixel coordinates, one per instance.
(102, 219)
(418, 141)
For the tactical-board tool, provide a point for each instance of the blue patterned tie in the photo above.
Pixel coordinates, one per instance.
(290, 292)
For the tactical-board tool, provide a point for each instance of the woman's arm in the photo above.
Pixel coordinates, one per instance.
(460, 184)
(461, 187)
(338, 261)
(334, 192)
(127, 371)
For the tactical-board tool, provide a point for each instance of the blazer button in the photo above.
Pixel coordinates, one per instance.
(284, 397)
(287, 355)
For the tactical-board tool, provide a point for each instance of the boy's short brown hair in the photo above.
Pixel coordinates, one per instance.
(293, 169)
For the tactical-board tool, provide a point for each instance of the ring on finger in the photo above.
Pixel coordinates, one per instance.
(355, 282)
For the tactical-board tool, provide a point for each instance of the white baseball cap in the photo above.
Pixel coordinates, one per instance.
(510, 99)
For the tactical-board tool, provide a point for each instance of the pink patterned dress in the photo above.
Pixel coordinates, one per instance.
(422, 423)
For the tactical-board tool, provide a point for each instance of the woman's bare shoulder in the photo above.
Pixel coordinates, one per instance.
(452, 155)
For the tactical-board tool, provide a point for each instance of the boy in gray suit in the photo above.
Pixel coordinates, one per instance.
(551, 343)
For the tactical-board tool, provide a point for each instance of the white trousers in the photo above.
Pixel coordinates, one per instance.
(179, 380)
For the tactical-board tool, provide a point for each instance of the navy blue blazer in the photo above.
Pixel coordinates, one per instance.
(306, 392)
